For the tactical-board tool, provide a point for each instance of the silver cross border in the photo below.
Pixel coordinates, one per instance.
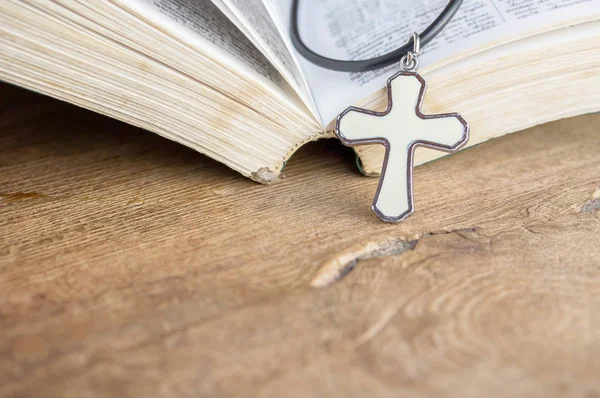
(401, 128)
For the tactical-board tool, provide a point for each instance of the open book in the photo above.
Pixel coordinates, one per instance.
(222, 76)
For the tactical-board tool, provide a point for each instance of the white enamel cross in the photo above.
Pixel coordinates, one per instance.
(401, 128)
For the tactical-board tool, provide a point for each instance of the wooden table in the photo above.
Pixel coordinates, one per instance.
(131, 266)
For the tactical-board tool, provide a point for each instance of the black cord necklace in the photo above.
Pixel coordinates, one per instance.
(374, 63)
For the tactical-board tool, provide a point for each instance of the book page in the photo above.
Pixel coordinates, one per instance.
(252, 18)
(360, 29)
(201, 24)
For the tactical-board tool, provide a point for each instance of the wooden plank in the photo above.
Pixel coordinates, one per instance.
(132, 266)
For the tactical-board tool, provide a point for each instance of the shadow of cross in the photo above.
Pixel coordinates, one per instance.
(401, 128)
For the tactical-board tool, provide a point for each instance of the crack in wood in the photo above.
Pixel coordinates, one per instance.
(341, 264)
(593, 204)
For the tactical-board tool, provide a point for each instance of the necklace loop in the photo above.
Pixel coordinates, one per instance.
(409, 65)
(416, 38)
(410, 61)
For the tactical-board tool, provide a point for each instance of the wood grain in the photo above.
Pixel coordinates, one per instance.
(131, 266)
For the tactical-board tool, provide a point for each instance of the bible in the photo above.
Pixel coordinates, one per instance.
(222, 76)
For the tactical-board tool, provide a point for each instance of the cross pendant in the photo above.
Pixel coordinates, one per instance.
(401, 128)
